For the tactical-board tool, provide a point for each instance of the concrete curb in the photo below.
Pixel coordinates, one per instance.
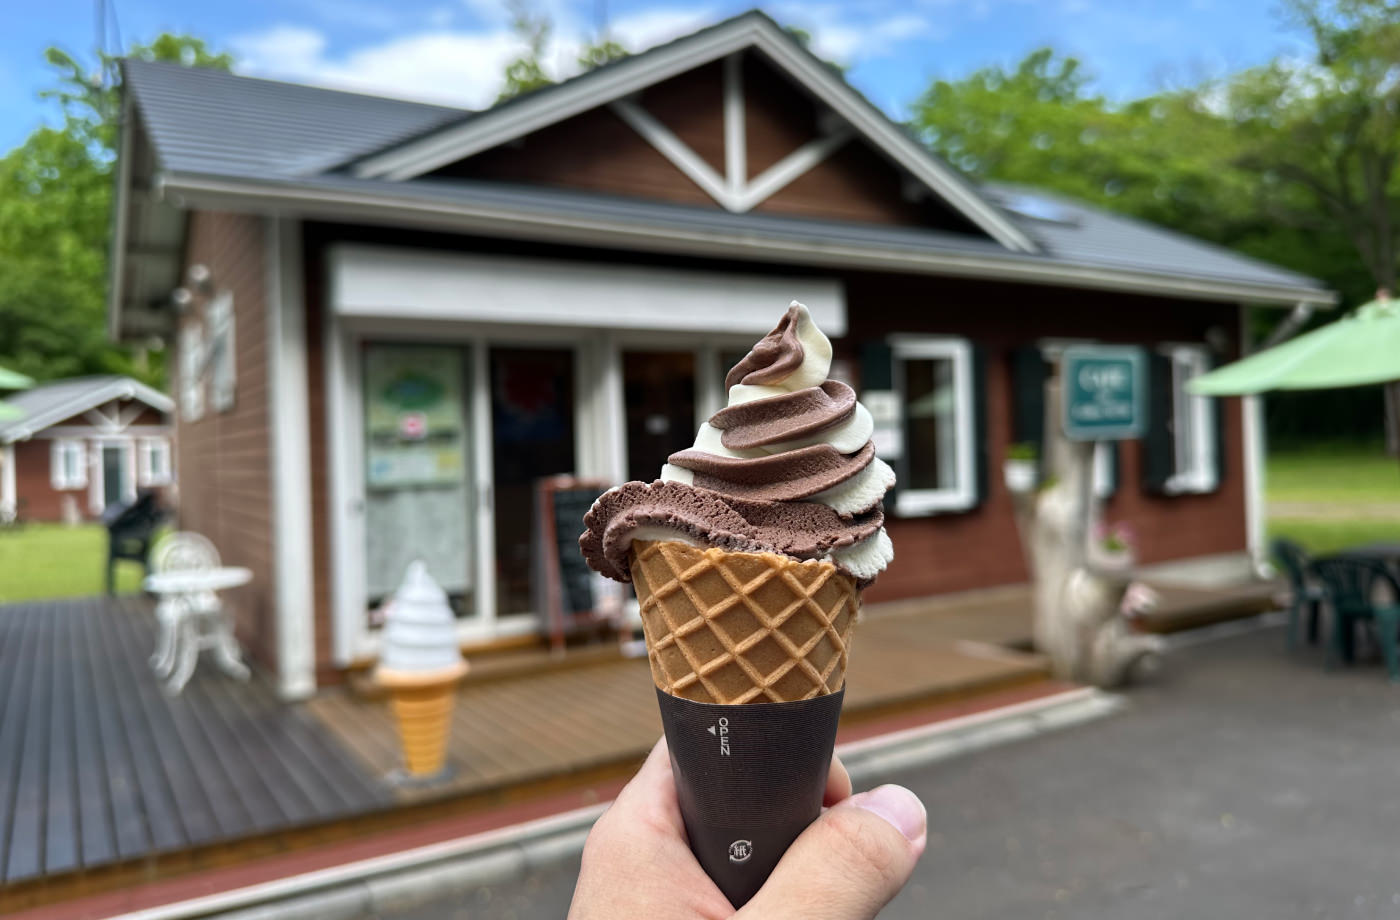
(399, 881)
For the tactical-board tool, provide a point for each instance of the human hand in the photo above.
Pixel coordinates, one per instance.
(846, 866)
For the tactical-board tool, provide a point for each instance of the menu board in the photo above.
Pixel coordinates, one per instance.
(414, 416)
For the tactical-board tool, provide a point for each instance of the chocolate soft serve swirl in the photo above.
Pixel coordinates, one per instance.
(787, 467)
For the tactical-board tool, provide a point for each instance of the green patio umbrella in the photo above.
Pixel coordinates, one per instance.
(1360, 348)
(13, 380)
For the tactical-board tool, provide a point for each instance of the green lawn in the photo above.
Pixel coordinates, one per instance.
(1334, 491)
(1320, 537)
(52, 560)
(1332, 472)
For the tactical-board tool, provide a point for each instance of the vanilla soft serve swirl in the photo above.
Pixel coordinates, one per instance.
(786, 467)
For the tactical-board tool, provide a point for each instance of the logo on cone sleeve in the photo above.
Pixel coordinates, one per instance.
(740, 851)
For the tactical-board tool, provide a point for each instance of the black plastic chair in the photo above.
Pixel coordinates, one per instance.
(1306, 596)
(130, 531)
(1350, 588)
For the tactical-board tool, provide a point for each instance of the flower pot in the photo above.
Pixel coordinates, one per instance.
(1021, 475)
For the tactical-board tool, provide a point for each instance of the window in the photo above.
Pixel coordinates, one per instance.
(935, 468)
(153, 462)
(192, 371)
(222, 379)
(67, 465)
(1193, 426)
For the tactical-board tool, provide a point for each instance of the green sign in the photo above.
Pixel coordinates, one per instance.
(1104, 394)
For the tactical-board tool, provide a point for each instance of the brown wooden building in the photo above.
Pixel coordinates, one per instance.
(410, 313)
(82, 445)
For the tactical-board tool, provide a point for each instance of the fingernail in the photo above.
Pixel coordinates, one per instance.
(898, 806)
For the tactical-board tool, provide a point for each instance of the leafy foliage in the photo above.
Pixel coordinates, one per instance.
(527, 73)
(55, 204)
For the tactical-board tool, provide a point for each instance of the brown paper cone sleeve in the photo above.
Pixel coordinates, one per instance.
(726, 627)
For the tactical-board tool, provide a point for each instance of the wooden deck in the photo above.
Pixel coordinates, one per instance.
(98, 767)
(552, 722)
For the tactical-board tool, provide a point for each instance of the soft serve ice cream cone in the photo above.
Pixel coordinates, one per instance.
(748, 556)
(420, 665)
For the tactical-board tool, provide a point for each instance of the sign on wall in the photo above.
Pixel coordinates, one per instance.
(1105, 396)
(414, 419)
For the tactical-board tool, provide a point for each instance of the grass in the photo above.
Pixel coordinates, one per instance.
(39, 561)
(1321, 536)
(1332, 473)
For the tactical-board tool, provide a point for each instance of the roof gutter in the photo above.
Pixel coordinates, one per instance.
(374, 206)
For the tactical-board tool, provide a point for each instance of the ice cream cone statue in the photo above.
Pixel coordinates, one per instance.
(748, 556)
(420, 666)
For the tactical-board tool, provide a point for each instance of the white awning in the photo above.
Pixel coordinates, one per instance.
(401, 283)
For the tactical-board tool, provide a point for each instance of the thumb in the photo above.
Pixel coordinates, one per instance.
(849, 863)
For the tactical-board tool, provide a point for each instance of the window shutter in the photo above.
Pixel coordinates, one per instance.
(1158, 448)
(1217, 408)
(981, 462)
(877, 373)
(1029, 371)
(876, 366)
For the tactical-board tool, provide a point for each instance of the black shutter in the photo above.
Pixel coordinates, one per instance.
(1221, 429)
(877, 373)
(876, 367)
(1029, 371)
(979, 422)
(1158, 444)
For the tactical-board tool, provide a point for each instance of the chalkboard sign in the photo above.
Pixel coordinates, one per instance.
(563, 580)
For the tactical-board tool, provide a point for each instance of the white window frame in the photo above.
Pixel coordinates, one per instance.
(147, 450)
(1194, 432)
(914, 502)
(59, 450)
(223, 372)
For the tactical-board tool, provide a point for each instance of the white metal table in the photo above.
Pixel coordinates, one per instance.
(192, 619)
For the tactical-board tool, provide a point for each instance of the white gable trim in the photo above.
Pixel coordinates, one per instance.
(124, 388)
(625, 78)
(678, 152)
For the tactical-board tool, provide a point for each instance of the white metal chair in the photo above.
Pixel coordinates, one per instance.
(190, 621)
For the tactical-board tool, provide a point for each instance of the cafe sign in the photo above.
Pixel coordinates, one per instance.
(1104, 392)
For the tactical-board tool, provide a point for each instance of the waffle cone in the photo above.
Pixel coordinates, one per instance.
(726, 627)
(422, 706)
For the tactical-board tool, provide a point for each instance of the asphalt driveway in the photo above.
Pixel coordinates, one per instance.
(1242, 783)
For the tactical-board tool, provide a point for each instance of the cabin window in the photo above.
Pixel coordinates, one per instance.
(1193, 426)
(68, 465)
(222, 370)
(153, 462)
(936, 467)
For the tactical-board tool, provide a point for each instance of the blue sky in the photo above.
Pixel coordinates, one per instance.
(452, 51)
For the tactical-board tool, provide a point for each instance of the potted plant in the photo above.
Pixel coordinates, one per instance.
(1020, 467)
(1112, 547)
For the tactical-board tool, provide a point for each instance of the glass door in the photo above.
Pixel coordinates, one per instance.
(532, 421)
(418, 477)
(114, 479)
(659, 398)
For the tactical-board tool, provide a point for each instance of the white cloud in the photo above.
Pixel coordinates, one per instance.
(847, 38)
(447, 66)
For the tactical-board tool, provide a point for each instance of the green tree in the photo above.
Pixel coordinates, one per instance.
(1323, 135)
(55, 219)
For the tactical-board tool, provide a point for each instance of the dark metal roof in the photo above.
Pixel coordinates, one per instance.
(214, 124)
(210, 121)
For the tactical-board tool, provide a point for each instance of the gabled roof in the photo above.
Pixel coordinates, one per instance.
(50, 403)
(211, 140)
(210, 121)
(751, 31)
